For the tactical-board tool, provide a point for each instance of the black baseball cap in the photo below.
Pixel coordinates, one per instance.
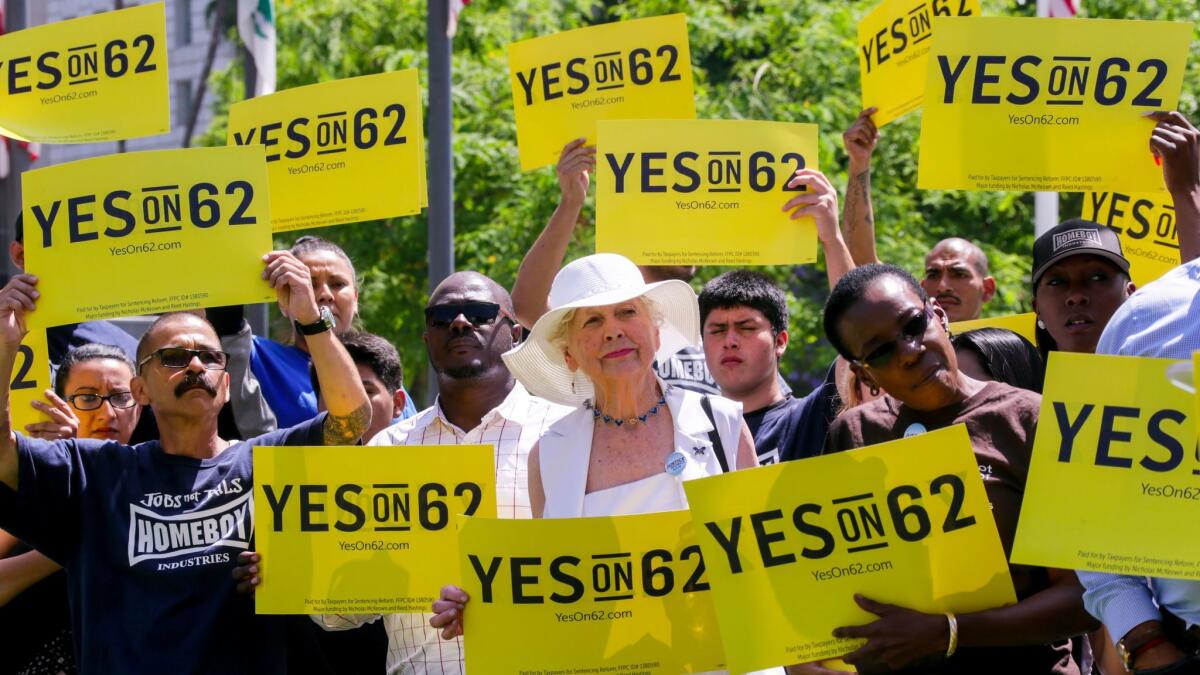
(1076, 237)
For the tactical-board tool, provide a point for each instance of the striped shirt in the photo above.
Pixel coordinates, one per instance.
(415, 647)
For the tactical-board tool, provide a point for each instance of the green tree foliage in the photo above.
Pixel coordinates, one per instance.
(752, 59)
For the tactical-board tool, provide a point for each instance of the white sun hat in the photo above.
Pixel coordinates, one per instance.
(595, 281)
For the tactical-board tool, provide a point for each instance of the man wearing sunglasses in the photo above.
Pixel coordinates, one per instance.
(468, 324)
(150, 533)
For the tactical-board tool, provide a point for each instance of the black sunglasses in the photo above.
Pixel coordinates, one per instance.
(912, 331)
(179, 357)
(476, 313)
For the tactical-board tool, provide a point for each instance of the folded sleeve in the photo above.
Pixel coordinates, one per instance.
(1120, 602)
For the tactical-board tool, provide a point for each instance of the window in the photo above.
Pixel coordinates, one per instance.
(183, 22)
(183, 102)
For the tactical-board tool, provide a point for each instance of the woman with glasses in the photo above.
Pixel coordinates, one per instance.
(91, 399)
(897, 342)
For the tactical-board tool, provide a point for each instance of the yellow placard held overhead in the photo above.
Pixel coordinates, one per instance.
(363, 530)
(1146, 225)
(339, 152)
(31, 376)
(788, 546)
(562, 84)
(1021, 324)
(1047, 104)
(587, 595)
(96, 78)
(1115, 481)
(893, 47)
(154, 223)
(703, 192)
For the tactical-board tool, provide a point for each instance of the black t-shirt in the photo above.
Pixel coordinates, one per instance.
(794, 428)
(149, 541)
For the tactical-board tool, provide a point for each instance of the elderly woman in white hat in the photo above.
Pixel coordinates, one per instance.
(632, 439)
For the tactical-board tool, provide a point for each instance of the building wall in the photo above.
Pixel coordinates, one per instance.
(187, 45)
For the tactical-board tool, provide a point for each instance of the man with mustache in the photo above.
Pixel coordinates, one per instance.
(149, 533)
(956, 270)
(468, 324)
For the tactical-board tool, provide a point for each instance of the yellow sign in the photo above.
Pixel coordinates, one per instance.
(1146, 225)
(339, 152)
(96, 78)
(182, 228)
(703, 192)
(905, 522)
(625, 594)
(1046, 104)
(363, 530)
(31, 376)
(893, 48)
(1114, 481)
(1021, 324)
(562, 84)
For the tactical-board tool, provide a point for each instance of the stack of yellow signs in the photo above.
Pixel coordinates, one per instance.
(788, 546)
(1046, 104)
(562, 84)
(1146, 225)
(627, 592)
(161, 216)
(893, 51)
(363, 530)
(95, 78)
(702, 192)
(339, 152)
(1115, 480)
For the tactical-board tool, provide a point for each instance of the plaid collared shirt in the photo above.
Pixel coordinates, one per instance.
(414, 647)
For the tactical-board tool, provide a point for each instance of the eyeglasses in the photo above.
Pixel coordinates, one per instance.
(910, 332)
(119, 400)
(179, 357)
(476, 313)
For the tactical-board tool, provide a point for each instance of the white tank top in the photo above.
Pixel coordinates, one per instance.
(565, 452)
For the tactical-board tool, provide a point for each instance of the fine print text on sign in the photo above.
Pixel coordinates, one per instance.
(363, 530)
(703, 192)
(893, 48)
(905, 522)
(1123, 438)
(563, 84)
(339, 152)
(1146, 224)
(1020, 103)
(95, 78)
(628, 593)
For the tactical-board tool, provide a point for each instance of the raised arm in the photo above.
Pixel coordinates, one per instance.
(17, 297)
(859, 218)
(1177, 141)
(531, 290)
(345, 399)
(820, 202)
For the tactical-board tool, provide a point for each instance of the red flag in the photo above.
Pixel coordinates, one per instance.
(456, 6)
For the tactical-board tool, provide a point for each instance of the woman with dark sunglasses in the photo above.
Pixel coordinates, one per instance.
(897, 342)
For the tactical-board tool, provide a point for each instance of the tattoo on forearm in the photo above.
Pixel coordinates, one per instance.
(858, 202)
(346, 430)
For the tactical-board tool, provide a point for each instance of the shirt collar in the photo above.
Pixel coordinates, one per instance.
(513, 408)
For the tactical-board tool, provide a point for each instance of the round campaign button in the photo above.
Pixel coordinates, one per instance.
(915, 429)
(675, 463)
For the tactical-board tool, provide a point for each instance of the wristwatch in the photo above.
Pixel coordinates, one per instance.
(1138, 641)
(326, 322)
